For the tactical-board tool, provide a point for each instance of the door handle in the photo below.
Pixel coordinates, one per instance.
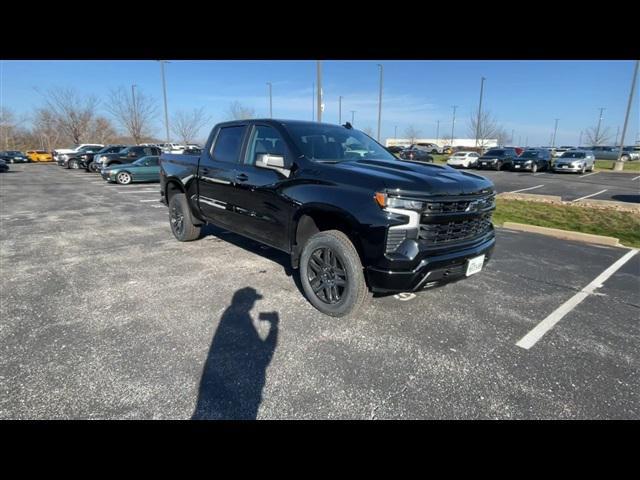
(241, 177)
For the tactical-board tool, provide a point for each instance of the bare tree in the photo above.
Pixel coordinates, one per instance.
(103, 131)
(502, 136)
(411, 133)
(187, 125)
(487, 130)
(446, 139)
(11, 127)
(134, 113)
(74, 112)
(237, 111)
(597, 137)
(369, 131)
(46, 128)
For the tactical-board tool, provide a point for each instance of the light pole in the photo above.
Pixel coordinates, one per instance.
(313, 101)
(619, 165)
(133, 101)
(319, 95)
(453, 124)
(164, 92)
(437, 130)
(555, 130)
(597, 139)
(340, 110)
(479, 109)
(270, 101)
(617, 133)
(395, 132)
(353, 116)
(380, 102)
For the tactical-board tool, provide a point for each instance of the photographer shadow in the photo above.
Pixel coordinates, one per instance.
(234, 373)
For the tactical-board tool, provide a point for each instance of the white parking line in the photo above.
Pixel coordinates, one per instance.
(154, 200)
(635, 178)
(592, 195)
(525, 189)
(588, 174)
(138, 191)
(530, 339)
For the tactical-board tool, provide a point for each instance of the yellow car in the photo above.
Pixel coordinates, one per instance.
(39, 156)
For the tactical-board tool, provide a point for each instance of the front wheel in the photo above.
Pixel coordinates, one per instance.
(123, 178)
(498, 166)
(583, 169)
(534, 168)
(180, 219)
(75, 165)
(331, 274)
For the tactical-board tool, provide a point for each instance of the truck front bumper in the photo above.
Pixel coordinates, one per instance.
(431, 271)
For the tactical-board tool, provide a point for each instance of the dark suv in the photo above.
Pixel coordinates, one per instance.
(126, 155)
(532, 160)
(497, 159)
(352, 217)
(85, 160)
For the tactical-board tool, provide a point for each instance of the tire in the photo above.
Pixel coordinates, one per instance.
(11, 161)
(625, 158)
(498, 166)
(584, 169)
(534, 168)
(180, 219)
(338, 294)
(124, 178)
(74, 164)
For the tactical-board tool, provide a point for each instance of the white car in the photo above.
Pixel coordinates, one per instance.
(57, 153)
(463, 159)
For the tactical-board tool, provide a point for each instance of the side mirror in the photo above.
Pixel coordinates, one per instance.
(272, 162)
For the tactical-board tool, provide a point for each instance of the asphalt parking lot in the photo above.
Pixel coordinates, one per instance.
(621, 187)
(105, 315)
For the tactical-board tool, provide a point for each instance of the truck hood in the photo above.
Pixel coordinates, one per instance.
(415, 178)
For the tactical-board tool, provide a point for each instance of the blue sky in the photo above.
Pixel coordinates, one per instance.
(525, 96)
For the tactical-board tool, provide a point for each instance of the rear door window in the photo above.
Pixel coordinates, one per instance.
(228, 144)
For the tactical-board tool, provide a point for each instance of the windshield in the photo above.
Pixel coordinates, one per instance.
(13, 152)
(460, 154)
(333, 143)
(573, 155)
(494, 153)
(529, 154)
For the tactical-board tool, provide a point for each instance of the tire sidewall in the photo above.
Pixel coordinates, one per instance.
(124, 183)
(353, 269)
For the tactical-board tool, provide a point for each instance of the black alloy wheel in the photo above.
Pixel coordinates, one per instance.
(327, 275)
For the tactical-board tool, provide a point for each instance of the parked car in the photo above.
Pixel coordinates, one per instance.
(39, 156)
(126, 155)
(145, 169)
(428, 147)
(349, 223)
(192, 151)
(61, 155)
(395, 149)
(85, 159)
(579, 161)
(171, 147)
(497, 159)
(532, 160)
(14, 156)
(611, 153)
(3, 166)
(463, 159)
(416, 154)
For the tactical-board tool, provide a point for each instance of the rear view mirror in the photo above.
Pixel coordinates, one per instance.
(272, 162)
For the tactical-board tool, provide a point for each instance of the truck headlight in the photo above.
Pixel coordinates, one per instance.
(384, 201)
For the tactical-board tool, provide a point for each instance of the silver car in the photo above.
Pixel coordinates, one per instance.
(575, 161)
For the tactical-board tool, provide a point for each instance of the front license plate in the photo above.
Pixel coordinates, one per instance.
(517, 166)
(564, 166)
(475, 265)
(484, 163)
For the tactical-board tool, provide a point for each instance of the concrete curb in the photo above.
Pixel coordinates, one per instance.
(531, 197)
(564, 234)
(600, 204)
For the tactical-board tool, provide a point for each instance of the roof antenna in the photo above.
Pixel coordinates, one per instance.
(347, 125)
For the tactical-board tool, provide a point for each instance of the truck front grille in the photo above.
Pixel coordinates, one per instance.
(455, 230)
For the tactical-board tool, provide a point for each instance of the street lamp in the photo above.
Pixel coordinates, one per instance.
(479, 109)
(164, 92)
(555, 130)
(270, 101)
(353, 116)
(453, 124)
(597, 139)
(340, 110)
(619, 165)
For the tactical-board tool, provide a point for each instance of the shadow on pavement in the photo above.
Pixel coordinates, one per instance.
(626, 198)
(234, 373)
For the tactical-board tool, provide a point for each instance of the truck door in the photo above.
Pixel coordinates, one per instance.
(261, 209)
(216, 174)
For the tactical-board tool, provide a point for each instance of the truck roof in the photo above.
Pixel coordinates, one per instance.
(276, 120)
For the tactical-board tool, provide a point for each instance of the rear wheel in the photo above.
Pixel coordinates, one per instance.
(180, 219)
(123, 178)
(331, 274)
(534, 168)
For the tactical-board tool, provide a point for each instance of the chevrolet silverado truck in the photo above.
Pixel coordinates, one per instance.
(352, 223)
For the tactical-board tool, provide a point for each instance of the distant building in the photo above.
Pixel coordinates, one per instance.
(457, 142)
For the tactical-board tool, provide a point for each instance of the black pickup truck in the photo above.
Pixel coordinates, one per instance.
(354, 218)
